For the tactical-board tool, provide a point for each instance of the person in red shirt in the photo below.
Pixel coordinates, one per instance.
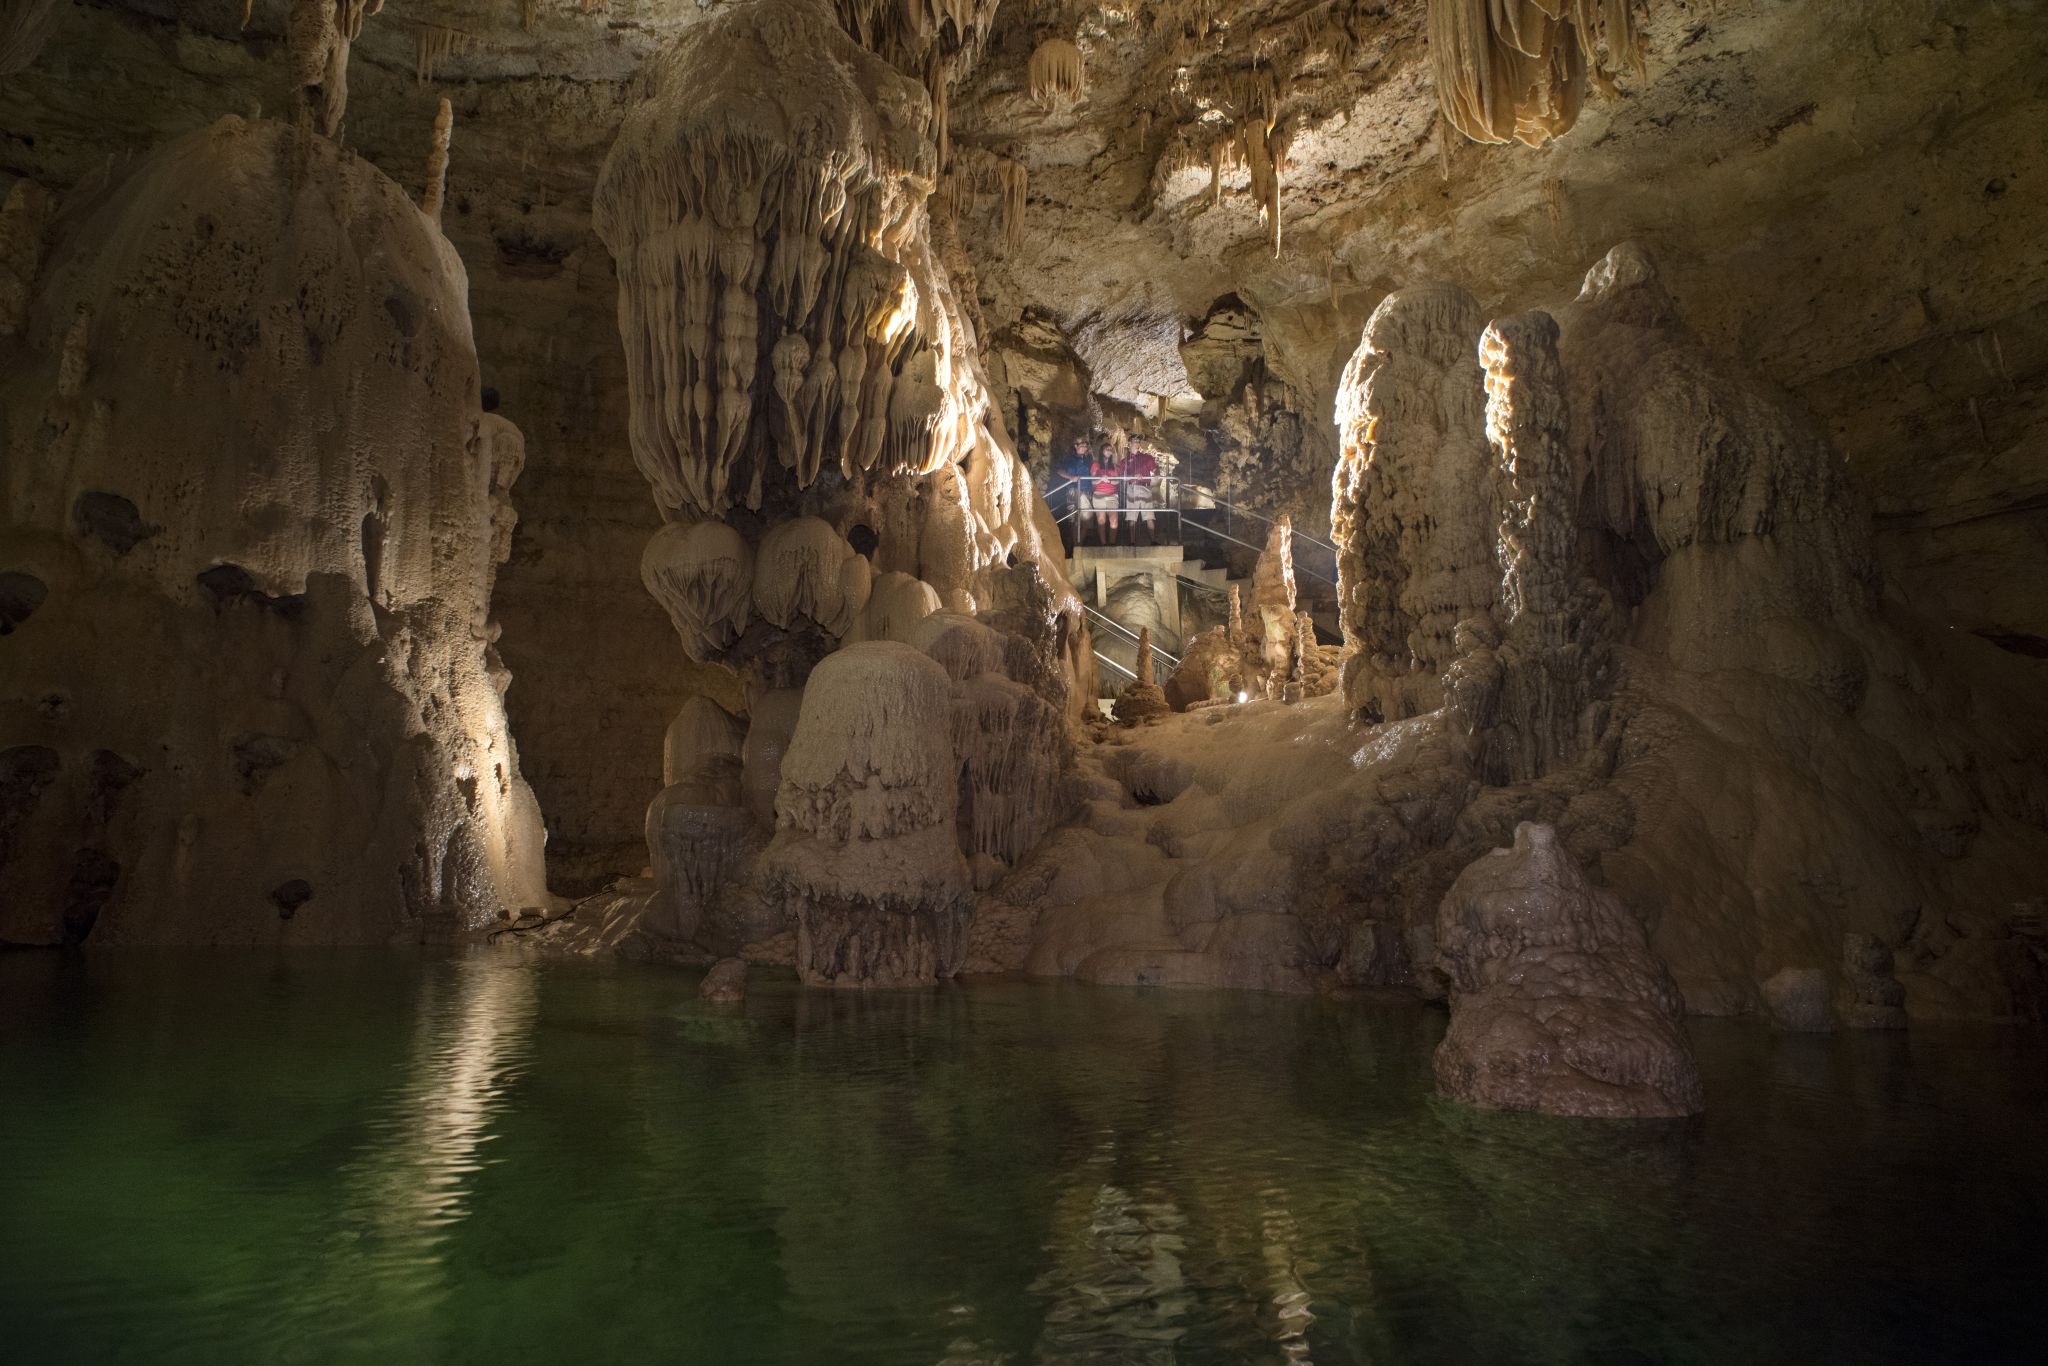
(1102, 487)
(1141, 491)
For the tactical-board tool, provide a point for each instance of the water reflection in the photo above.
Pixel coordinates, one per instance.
(413, 1179)
(474, 1020)
(482, 1158)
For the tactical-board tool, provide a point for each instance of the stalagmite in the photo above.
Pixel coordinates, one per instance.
(1273, 597)
(702, 840)
(1411, 499)
(1057, 76)
(24, 215)
(437, 163)
(963, 646)
(701, 730)
(771, 720)
(897, 604)
(1143, 700)
(1558, 1003)
(865, 847)
(1009, 776)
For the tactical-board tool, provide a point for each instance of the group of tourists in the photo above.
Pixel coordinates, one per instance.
(1114, 501)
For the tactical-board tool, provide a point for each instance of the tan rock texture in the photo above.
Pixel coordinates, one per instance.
(245, 461)
(1837, 199)
(1557, 1002)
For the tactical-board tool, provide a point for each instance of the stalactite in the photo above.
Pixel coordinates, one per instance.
(1057, 76)
(1517, 70)
(431, 43)
(1010, 777)
(703, 575)
(803, 571)
(318, 34)
(976, 174)
(437, 163)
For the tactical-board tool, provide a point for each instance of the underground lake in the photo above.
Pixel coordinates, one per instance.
(476, 1155)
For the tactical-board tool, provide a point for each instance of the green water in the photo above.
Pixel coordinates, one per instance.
(387, 1157)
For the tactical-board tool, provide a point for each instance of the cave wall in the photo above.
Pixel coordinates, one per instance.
(589, 689)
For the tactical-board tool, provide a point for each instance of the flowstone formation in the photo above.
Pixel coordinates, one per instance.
(256, 698)
(1557, 1003)
(866, 847)
(1592, 579)
(809, 408)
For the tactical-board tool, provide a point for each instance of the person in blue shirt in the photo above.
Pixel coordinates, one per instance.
(1075, 469)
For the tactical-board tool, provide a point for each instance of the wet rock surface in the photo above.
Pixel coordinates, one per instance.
(1557, 1002)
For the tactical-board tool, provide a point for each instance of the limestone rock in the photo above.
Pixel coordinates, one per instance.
(726, 981)
(1871, 997)
(1413, 512)
(1797, 999)
(246, 444)
(1557, 1002)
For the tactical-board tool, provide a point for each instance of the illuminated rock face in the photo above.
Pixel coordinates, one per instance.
(258, 699)
(1557, 1003)
(809, 409)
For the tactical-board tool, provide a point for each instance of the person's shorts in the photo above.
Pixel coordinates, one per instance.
(1139, 495)
(1095, 502)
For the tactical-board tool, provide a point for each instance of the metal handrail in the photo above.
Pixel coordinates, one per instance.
(1220, 501)
(1172, 506)
(1225, 536)
(1159, 653)
(1102, 658)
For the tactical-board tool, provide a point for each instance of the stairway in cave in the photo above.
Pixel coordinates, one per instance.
(1186, 580)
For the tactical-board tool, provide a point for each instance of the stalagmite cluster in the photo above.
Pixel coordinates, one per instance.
(305, 739)
(809, 408)
(1516, 70)
(1596, 581)
(1557, 1003)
